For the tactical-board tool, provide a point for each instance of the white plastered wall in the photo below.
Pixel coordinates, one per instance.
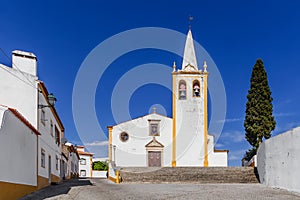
(24, 61)
(278, 161)
(18, 90)
(189, 124)
(133, 153)
(47, 141)
(73, 159)
(87, 166)
(19, 149)
(216, 159)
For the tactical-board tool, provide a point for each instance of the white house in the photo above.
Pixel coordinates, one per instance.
(85, 162)
(21, 89)
(50, 145)
(69, 161)
(73, 163)
(183, 140)
(18, 143)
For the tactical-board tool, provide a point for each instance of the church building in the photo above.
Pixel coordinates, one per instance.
(155, 140)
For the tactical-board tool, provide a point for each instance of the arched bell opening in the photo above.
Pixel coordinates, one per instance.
(196, 88)
(182, 90)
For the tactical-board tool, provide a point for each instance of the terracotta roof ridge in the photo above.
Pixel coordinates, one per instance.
(23, 119)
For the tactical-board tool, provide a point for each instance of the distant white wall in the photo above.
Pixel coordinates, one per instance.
(99, 174)
(18, 151)
(216, 158)
(278, 161)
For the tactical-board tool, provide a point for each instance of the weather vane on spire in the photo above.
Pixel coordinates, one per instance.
(190, 20)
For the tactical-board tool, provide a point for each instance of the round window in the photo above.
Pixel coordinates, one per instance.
(124, 136)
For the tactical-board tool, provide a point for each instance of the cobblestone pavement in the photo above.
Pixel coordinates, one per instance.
(104, 189)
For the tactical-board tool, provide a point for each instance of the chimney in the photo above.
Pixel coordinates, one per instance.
(25, 62)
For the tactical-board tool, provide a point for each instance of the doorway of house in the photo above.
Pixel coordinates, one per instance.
(154, 158)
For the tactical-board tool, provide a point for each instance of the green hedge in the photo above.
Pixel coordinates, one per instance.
(100, 166)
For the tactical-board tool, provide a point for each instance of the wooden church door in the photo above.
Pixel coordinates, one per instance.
(154, 158)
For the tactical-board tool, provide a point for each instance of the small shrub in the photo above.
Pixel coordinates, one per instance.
(100, 166)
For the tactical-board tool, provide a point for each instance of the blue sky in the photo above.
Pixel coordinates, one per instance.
(234, 33)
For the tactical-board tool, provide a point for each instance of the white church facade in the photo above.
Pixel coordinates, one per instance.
(155, 140)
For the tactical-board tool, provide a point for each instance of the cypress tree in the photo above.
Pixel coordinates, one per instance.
(259, 121)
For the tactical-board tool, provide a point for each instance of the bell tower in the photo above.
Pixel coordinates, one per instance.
(189, 106)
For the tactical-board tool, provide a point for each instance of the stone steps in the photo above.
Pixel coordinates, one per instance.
(189, 174)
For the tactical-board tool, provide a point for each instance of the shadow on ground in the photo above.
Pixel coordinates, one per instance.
(58, 189)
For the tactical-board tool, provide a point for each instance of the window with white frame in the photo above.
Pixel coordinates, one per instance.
(82, 161)
(43, 158)
(82, 172)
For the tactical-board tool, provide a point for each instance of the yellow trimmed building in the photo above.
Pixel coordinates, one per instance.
(85, 162)
(24, 93)
(155, 140)
(19, 144)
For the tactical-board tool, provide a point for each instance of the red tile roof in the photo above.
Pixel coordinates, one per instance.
(218, 150)
(85, 153)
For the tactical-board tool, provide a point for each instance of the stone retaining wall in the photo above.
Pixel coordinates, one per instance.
(190, 174)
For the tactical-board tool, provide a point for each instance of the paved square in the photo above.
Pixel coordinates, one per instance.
(104, 189)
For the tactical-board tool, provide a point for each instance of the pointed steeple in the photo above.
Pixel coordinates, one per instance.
(189, 56)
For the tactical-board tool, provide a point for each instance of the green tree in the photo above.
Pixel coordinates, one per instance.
(100, 165)
(259, 121)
